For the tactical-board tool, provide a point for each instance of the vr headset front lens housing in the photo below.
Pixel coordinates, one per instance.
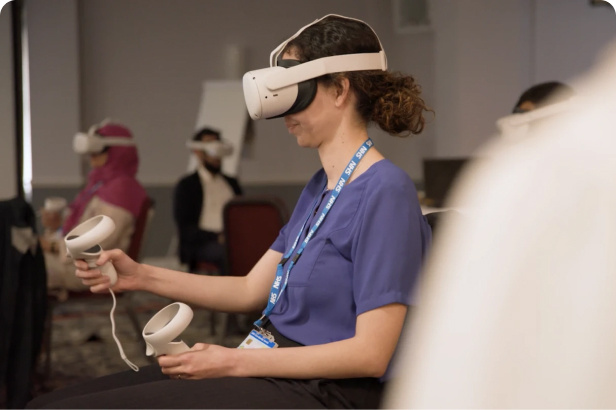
(262, 102)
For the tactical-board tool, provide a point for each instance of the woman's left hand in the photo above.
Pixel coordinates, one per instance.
(202, 361)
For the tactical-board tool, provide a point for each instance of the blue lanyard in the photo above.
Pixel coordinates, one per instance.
(279, 286)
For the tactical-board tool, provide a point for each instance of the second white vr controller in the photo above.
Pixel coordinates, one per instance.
(83, 242)
(161, 332)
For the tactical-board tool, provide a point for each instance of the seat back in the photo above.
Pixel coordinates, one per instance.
(251, 224)
(143, 219)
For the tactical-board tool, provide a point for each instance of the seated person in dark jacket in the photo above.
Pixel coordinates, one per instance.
(198, 202)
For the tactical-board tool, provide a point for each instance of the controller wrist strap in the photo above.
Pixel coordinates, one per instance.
(113, 333)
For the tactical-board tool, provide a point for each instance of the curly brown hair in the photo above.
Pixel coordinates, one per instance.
(392, 100)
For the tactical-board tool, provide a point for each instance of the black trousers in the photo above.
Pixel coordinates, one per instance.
(149, 388)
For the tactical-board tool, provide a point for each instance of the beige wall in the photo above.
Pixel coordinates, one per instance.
(143, 62)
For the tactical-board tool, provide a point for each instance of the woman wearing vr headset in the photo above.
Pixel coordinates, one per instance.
(111, 190)
(332, 317)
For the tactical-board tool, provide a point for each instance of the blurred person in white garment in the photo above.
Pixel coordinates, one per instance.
(518, 300)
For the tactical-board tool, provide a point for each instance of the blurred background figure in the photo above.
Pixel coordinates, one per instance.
(199, 199)
(542, 94)
(551, 97)
(111, 189)
(517, 305)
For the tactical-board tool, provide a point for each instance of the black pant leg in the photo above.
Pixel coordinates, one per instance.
(212, 252)
(145, 375)
(223, 393)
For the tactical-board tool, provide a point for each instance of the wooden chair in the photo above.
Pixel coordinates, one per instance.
(251, 224)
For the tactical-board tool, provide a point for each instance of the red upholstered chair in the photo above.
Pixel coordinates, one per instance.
(251, 224)
(146, 213)
(206, 268)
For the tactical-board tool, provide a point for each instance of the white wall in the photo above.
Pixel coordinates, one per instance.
(569, 36)
(54, 84)
(8, 171)
(482, 63)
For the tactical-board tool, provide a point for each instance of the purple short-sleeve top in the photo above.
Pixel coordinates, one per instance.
(367, 253)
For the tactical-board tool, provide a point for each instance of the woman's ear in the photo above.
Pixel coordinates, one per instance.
(343, 89)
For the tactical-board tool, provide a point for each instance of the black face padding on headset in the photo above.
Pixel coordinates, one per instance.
(306, 90)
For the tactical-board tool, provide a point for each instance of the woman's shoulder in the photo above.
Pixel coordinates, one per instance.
(385, 175)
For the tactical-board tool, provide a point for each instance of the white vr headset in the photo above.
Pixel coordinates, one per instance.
(90, 143)
(216, 149)
(288, 86)
(514, 125)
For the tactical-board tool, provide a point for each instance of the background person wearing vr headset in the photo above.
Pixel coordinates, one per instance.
(539, 95)
(111, 189)
(553, 94)
(198, 202)
(333, 316)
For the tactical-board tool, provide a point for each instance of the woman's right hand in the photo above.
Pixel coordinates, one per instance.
(129, 272)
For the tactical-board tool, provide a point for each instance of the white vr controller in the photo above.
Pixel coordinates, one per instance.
(161, 332)
(83, 242)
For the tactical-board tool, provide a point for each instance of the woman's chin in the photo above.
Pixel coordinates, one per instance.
(302, 142)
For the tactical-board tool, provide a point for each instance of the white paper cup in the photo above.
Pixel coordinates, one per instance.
(55, 204)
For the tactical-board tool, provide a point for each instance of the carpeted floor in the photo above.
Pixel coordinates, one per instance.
(82, 345)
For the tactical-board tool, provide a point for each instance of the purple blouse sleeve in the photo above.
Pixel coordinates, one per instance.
(388, 251)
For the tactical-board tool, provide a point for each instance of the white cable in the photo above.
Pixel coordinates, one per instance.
(113, 333)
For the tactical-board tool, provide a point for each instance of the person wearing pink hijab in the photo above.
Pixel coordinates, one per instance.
(112, 189)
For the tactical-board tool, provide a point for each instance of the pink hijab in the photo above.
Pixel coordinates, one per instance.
(114, 182)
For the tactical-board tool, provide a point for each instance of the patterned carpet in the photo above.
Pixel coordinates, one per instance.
(82, 345)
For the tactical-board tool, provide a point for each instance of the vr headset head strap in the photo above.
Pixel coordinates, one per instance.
(539, 113)
(216, 148)
(93, 143)
(109, 140)
(278, 50)
(516, 125)
(327, 65)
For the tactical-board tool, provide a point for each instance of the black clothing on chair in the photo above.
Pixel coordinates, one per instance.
(23, 300)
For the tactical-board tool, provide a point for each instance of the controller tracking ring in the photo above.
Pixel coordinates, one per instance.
(165, 326)
(89, 233)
